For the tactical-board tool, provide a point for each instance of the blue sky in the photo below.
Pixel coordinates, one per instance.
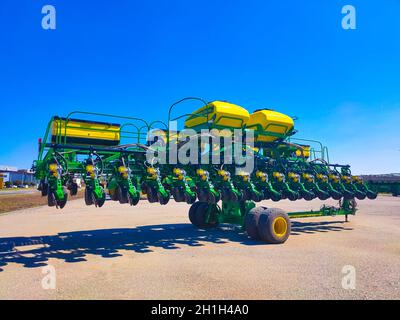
(135, 58)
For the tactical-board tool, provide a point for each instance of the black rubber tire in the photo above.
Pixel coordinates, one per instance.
(143, 188)
(197, 215)
(190, 199)
(100, 202)
(336, 195)
(192, 212)
(251, 222)
(202, 195)
(88, 197)
(266, 195)
(200, 217)
(134, 201)
(348, 195)
(178, 194)
(244, 195)
(372, 195)
(225, 195)
(44, 189)
(113, 194)
(51, 201)
(122, 195)
(360, 195)
(292, 195)
(151, 195)
(211, 198)
(208, 196)
(73, 189)
(233, 196)
(275, 197)
(61, 203)
(322, 195)
(266, 225)
(307, 195)
(163, 200)
(257, 197)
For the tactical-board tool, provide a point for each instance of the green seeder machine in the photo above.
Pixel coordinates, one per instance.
(118, 158)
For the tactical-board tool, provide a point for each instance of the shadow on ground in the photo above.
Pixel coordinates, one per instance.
(74, 246)
(299, 227)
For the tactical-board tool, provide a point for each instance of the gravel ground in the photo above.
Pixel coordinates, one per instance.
(152, 252)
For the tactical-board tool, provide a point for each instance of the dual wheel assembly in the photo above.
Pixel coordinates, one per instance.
(270, 225)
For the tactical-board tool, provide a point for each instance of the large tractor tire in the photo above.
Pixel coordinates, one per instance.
(274, 226)
(251, 222)
(198, 215)
(192, 212)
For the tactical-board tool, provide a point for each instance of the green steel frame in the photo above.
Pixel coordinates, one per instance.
(124, 171)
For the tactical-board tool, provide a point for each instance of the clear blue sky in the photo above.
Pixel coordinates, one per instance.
(137, 57)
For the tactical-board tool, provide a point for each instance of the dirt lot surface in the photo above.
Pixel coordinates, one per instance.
(16, 199)
(152, 252)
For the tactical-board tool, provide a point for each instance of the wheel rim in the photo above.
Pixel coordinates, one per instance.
(279, 227)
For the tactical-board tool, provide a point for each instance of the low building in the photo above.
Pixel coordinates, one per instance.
(15, 177)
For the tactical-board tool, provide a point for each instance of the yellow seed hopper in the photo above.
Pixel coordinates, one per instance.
(219, 115)
(270, 125)
(74, 131)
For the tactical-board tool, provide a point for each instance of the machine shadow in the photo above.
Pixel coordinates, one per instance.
(72, 247)
(299, 227)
